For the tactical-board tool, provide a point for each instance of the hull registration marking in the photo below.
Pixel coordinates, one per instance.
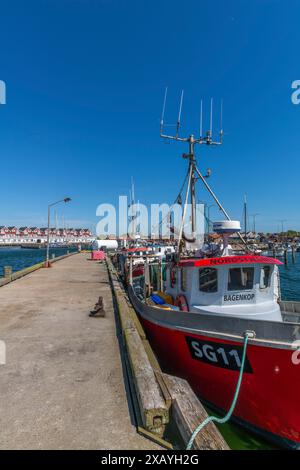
(218, 354)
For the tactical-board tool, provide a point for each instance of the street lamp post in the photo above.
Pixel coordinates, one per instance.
(66, 199)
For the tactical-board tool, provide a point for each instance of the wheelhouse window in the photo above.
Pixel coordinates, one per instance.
(265, 277)
(183, 279)
(208, 280)
(240, 278)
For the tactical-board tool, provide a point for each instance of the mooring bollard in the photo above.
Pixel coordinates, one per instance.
(98, 310)
(53, 255)
(7, 271)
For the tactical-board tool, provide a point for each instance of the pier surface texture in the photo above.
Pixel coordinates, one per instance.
(62, 386)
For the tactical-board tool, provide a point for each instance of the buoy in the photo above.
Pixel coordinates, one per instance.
(181, 302)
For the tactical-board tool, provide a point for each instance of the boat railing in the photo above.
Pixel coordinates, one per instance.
(290, 311)
(290, 306)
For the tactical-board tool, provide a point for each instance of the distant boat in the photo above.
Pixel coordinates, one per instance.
(32, 246)
(278, 253)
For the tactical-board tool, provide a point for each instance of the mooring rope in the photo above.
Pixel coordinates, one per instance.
(228, 415)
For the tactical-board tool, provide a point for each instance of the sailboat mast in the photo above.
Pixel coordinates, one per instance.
(245, 216)
(133, 206)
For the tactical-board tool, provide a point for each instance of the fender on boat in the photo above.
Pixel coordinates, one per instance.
(181, 302)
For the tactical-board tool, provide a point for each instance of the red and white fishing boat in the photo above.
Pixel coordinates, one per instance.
(219, 299)
(204, 344)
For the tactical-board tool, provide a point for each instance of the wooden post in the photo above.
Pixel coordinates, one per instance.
(285, 256)
(293, 254)
(7, 271)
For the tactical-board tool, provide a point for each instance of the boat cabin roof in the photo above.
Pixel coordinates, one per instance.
(225, 260)
(137, 249)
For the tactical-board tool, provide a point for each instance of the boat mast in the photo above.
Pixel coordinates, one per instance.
(245, 216)
(207, 139)
(193, 185)
(192, 141)
(132, 208)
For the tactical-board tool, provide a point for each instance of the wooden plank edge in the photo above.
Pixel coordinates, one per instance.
(188, 412)
(154, 411)
(155, 438)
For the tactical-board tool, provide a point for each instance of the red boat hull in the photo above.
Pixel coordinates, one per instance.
(269, 397)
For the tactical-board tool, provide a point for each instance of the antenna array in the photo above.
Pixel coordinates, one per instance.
(207, 139)
(194, 172)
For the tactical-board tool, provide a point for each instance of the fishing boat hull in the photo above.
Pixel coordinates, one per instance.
(192, 347)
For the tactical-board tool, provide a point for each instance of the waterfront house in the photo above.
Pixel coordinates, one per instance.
(13, 236)
(24, 231)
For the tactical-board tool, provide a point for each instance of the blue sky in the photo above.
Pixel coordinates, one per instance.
(85, 81)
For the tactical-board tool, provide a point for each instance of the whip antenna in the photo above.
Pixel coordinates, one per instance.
(221, 120)
(163, 110)
(179, 114)
(211, 117)
(201, 118)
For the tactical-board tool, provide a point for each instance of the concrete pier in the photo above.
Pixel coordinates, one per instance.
(62, 386)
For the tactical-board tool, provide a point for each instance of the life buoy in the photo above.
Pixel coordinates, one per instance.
(182, 303)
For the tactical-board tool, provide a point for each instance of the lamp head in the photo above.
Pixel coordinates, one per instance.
(208, 173)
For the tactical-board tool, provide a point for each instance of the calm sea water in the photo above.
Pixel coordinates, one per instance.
(236, 437)
(20, 258)
(290, 279)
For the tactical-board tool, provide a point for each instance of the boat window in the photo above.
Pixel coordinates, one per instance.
(208, 280)
(183, 279)
(265, 276)
(240, 278)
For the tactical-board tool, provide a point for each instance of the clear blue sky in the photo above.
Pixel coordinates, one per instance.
(85, 81)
